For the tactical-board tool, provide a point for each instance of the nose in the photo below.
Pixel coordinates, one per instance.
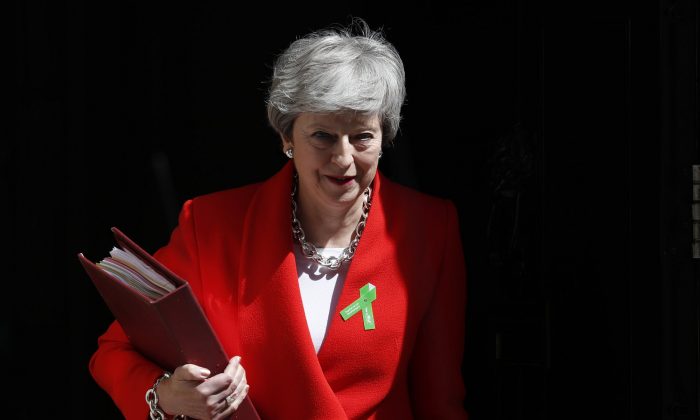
(342, 153)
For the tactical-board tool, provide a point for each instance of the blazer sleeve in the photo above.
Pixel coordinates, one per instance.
(116, 366)
(436, 384)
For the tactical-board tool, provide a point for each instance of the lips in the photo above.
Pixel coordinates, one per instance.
(342, 180)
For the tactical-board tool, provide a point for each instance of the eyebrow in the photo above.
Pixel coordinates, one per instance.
(321, 126)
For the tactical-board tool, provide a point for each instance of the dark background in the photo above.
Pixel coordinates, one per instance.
(563, 131)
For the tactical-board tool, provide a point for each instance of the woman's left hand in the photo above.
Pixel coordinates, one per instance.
(191, 392)
(240, 387)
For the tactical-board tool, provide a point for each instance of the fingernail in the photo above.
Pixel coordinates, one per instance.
(205, 373)
(238, 358)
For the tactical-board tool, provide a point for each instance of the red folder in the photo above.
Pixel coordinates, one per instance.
(172, 330)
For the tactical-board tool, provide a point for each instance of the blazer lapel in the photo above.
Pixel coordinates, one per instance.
(360, 272)
(271, 314)
(352, 357)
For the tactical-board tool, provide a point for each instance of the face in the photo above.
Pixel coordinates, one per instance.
(336, 156)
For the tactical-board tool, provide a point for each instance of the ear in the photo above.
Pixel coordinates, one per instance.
(286, 142)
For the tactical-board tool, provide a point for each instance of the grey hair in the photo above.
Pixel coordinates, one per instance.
(338, 70)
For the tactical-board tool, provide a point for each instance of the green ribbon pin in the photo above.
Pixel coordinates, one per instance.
(368, 293)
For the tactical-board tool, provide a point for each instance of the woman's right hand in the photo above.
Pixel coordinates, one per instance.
(190, 391)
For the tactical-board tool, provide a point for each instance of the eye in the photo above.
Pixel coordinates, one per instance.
(364, 136)
(322, 135)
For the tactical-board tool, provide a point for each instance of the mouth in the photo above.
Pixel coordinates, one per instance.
(342, 180)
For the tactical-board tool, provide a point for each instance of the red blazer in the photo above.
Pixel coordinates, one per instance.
(235, 249)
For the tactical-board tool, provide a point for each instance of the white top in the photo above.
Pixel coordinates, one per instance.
(320, 289)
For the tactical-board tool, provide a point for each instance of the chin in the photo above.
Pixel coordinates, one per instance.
(343, 199)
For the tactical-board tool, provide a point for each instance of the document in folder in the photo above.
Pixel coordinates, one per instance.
(158, 312)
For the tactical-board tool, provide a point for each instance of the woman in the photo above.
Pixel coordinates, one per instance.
(342, 291)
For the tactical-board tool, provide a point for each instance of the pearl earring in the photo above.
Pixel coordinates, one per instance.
(289, 152)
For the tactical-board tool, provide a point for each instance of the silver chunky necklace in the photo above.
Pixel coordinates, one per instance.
(310, 251)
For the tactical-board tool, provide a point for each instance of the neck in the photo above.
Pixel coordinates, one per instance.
(326, 226)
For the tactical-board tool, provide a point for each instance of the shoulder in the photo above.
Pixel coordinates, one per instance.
(220, 205)
(419, 218)
(236, 201)
(414, 203)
